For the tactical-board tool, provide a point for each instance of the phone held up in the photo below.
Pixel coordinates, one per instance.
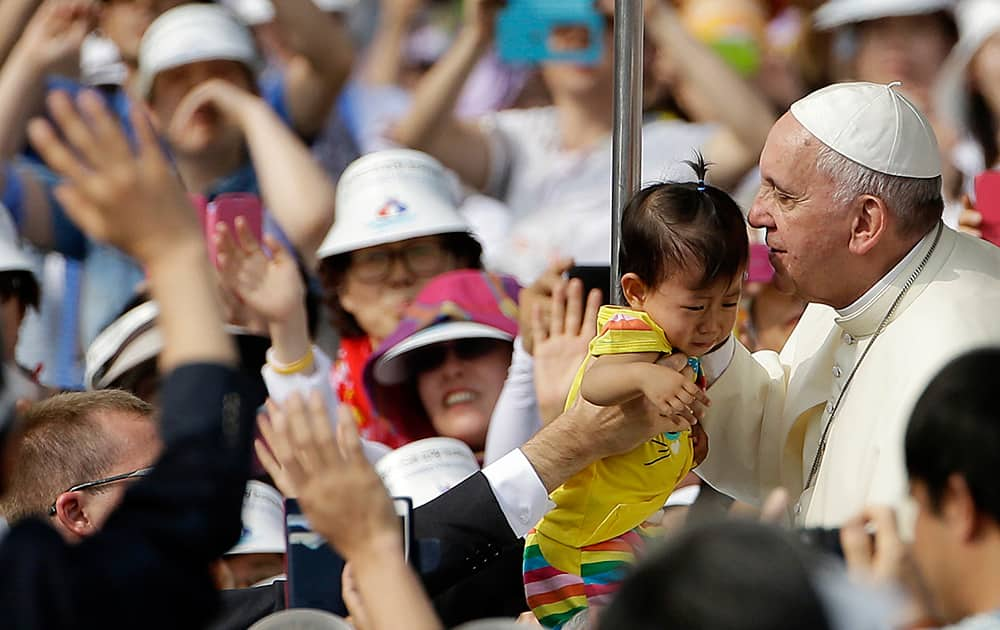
(226, 208)
(533, 31)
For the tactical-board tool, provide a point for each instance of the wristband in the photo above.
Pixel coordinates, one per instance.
(295, 367)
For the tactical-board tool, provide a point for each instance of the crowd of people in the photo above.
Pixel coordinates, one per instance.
(278, 276)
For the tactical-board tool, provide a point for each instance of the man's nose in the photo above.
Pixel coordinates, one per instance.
(758, 216)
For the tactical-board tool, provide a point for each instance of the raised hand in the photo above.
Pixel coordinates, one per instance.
(127, 197)
(561, 346)
(480, 16)
(269, 285)
(338, 489)
(539, 295)
(208, 104)
(57, 30)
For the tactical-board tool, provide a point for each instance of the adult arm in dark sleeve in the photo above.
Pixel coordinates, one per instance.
(149, 564)
(467, 530)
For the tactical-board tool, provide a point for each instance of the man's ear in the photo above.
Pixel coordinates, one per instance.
(634, 290)
(869, 224)
(71, 515)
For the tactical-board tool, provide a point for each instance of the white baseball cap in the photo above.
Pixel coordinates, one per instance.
(129, 341)
(978, 20)
(12, 257)
(263, 521)
(390, 196)
(191, 33)
(836, 13)
(254, 12)
(873, 125)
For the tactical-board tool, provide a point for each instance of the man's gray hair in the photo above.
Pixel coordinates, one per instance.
(917, 203)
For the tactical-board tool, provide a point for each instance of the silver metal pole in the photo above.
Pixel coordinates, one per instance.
(627, 166)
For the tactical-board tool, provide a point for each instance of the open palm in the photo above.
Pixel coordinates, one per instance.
(269, 285)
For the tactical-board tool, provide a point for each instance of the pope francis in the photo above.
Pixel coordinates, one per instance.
(850, 199)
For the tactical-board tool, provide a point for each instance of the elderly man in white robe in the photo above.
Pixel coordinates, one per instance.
(851, 201)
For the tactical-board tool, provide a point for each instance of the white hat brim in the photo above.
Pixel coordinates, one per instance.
(390, 369)
(837, 13)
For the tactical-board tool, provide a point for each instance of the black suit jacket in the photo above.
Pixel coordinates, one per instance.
(479, 570)
(148, 566)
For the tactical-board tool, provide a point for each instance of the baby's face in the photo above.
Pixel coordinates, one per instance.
(695, 320)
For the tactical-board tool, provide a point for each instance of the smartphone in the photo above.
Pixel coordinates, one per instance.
(593, 277)
(525, 30)
(226, 208)
(315, 569)
(988, 204)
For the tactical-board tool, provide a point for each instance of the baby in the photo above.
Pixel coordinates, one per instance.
(684, 252)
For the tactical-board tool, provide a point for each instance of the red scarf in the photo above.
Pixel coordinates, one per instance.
(346, 378)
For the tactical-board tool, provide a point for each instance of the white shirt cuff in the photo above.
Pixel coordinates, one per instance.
(519, 492)
(281, 386)
(716, 362)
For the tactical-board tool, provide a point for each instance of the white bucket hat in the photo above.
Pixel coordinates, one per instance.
(836, 13)
(255, 12)
(978, 20)
(192, 33)
(263, 521)
(390, 196)
(873, 125)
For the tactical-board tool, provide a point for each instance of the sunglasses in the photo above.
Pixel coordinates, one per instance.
(87, 485)
(433, 357)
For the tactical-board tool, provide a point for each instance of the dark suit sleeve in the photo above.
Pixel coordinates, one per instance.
(470, 527)
(148, 567)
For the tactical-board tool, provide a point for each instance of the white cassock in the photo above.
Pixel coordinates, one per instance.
(768, 411)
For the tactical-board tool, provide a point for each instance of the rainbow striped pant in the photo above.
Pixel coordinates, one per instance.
(556, 596)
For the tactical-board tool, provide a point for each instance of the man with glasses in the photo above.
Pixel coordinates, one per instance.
(76, 454)
(145, 562)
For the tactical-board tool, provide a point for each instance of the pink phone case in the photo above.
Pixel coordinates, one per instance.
(760, 265)
(988, 204)
(225, 208)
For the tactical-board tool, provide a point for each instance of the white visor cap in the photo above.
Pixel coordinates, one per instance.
(191, 33)
(390, 196)
(873, 125)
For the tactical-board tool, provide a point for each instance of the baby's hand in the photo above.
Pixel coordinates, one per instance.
(672, 392)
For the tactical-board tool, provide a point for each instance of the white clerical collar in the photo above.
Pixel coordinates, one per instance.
(885, 282)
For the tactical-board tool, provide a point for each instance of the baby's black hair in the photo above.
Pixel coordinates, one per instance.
(671, 226)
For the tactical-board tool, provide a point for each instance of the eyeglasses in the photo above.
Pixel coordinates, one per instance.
(87, 485)
(433, 357)
(423, 260)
